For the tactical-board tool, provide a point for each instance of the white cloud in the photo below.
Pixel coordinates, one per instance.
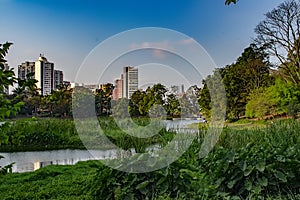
(189, 41)
(159, 45)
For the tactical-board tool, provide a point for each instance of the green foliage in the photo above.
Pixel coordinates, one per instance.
(121, 109)
(245, 164)
(178, 181)
(228, 2)
(7, 78)
(294, 108)
(282, 94)
(39, 134)
(126, 142)
(138, 104)
(156, 101)
(172, 106)
(141, 102)
(248, 73)
(103, 98)
(81, 100)
(7, 107)
(59, 102)
(257, 162)
(52, 182)
(259, 104)
(205, 101)
(281, 98)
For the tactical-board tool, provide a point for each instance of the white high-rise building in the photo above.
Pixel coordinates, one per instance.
(130, 81)
(47, 78)
(44, 74)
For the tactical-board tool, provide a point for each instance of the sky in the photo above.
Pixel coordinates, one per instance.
(69, 32)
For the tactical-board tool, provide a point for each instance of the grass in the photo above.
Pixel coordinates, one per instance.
(249, 124)
(251, 163)
(50, 134)
(39, 134)
(51, 182)
(240, 124)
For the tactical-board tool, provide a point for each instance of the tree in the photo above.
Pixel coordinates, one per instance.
(255, 66)
(121, 109)
(205, 100)
(103, 98)
(189, 102)
(258, 104)
(227, 2)
(82, 98)
(283, 95)
(7, 78)
(280, 33)
(7, 107)
(59, 102)
(159, 93)
(172, 106)
(27, 92)
(141, 102)
(137, 106)
(294, 108)
(248, 73)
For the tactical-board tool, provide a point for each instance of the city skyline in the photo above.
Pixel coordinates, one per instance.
(73, 28)
(28, 67)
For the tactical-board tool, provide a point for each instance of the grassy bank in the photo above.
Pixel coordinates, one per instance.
(256, 163)
(39, 134)
(51, 134)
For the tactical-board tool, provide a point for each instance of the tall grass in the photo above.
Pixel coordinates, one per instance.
(256, 163)
(39, 134)
(45, 134)
(261, 163)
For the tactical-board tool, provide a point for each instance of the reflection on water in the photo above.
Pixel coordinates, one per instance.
(30, 161)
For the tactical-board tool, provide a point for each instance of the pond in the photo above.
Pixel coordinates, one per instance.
(33, 160)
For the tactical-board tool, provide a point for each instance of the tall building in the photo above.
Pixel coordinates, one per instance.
(44, 74)
(58, 78)
(118, 90)
(47, 78)
(25, 68)
(130, 81)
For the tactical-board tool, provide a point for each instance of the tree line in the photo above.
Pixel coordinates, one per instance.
(255, 87)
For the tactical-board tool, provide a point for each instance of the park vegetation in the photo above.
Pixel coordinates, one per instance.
(258, 163)
(248, 163)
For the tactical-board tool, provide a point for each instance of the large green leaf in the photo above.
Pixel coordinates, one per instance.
(261, 165)
(281, 176)
(142, 185)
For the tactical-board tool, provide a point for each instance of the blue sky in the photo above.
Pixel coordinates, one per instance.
(66, 31)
